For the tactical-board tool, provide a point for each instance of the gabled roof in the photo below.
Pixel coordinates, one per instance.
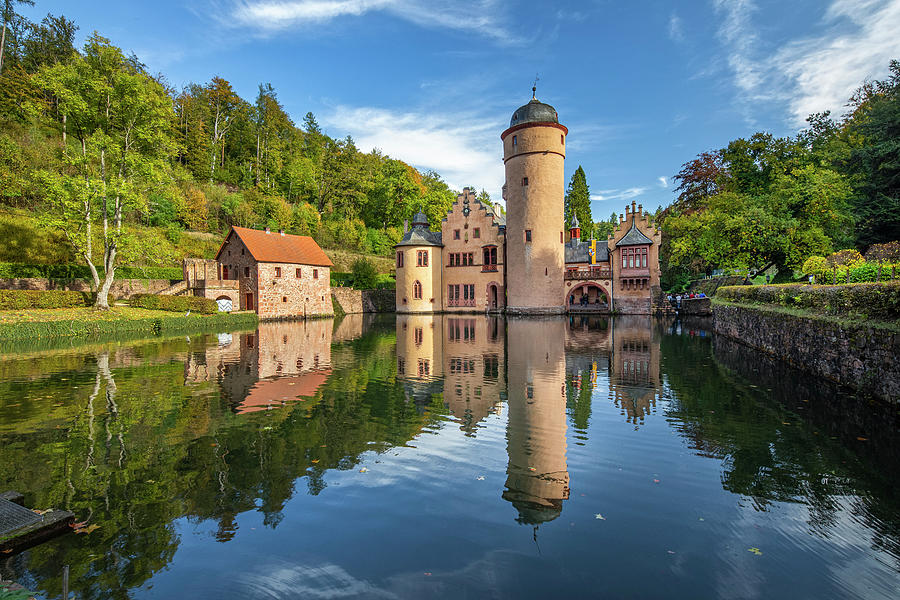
(634, 237)
(277, 248)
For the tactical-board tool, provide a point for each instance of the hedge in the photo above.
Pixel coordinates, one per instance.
(26, 271)
(385, 281)
(23, 299)
(866, 300)
(196, 304)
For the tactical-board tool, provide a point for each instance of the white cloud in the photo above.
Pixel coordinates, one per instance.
(463, 148)
(856, 41)
(626, 194)
(676, 28)
(739, 36)
(861, 39)
(663, 182)
(479, 16)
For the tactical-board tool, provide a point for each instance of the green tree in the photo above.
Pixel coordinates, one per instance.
(10, 18)
(578, 202)
(364, 274)
(876, 163)
(121, 118)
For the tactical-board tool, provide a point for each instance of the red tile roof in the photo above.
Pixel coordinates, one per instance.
(277, 248)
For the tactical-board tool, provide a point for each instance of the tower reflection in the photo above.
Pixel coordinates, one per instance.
(537, 479)
(547, 371)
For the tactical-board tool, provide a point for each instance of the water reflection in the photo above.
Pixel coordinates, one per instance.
(537, 479)
(324, 443)
(277, 364)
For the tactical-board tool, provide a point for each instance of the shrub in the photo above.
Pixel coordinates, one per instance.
(204, 306)
(877, 300)
(364, 275)
(23, 299)
(886, 252)
(844, 258)
(341, 279)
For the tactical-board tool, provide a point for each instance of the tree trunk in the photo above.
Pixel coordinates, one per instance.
(2, 43)
(109, 264)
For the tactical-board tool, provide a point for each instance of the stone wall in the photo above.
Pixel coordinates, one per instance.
(858, 355)
(364, 301)
(121, 288)
(631, 306)
(701, 307)
(283, 294)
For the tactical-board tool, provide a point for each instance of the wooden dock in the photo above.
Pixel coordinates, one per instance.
(21, 528)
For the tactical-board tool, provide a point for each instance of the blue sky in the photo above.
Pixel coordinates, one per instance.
(643, 86)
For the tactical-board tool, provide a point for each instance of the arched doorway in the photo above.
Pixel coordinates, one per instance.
(494, 296)
(225, 304)
(587, 297)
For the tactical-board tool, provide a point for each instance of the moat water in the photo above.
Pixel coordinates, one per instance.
(442, 457)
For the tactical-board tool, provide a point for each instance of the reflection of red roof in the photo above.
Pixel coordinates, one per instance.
(277, 248)
(278, 392)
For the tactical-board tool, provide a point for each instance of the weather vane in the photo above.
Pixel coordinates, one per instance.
(534, 87)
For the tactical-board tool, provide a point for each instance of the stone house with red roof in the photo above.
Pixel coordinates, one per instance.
(278, 275)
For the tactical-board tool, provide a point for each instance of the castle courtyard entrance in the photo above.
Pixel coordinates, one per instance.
(587, 297)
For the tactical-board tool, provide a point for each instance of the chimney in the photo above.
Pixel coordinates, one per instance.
(640, 209)
(268, 230)
(281, 232)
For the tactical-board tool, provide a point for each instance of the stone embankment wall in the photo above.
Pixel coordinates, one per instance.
(121, 288)
(862, 356)
(364, 301)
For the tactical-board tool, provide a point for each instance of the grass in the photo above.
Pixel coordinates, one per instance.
(25, 241)
(843, 321)
(84, 322)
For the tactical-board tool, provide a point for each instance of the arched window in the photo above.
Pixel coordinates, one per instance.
(417, 290)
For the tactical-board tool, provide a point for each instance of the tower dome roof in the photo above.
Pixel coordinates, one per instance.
(420, 219)
(534, 112)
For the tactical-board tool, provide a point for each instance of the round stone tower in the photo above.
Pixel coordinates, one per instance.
(534, 152)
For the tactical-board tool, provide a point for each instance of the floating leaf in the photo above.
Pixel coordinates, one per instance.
(532, 469)
(363, 470)
(88, 529)
(656, 481)
(755, 551)
(480, 478)
(862, 439)
(315, 461)
(599, 516)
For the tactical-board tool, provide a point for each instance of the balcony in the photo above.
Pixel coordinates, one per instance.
(589, 273)
(461, 302)
(489, 268)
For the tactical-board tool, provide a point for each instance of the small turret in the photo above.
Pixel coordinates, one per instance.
(575, 229)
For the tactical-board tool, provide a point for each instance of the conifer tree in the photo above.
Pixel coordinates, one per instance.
(578, 202)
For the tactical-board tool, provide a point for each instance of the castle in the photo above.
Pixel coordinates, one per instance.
(527, 263)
